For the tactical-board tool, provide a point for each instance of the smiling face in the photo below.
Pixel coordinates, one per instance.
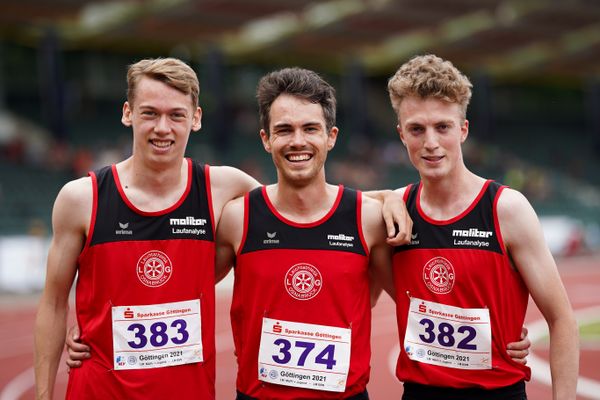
(162, 118)
(432, 131)
(298, 140)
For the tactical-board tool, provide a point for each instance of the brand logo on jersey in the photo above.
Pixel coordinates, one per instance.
(471, 232)
(128, 313)
(277, 328)
(154, 268)
(340, 240)
(123, 229)
(271, 238)
(438, 275)
(186, 223)
(414, 239)
(303, 281)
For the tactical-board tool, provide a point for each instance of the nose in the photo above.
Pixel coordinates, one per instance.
(298, 138)
(162, 125)
(431, 140)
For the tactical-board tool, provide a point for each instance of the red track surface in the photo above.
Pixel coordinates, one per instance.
(580, 275)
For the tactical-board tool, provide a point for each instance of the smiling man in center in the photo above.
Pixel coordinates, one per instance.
(303, 251)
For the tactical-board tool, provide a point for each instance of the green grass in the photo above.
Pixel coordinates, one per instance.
(590, 331)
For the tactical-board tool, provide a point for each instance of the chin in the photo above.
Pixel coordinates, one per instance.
(432, 174)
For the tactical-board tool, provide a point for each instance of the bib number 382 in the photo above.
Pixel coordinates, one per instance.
(449, 336)
(304, 355)
(157, 335)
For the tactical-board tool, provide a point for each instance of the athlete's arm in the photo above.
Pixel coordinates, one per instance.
(380, 257)
(525, 243)
(72, 210)
(398, 223)
(229, 236)
(228, 183)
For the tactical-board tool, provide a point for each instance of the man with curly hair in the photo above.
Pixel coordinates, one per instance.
(477, 253)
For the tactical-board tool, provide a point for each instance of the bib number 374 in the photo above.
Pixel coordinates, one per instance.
(304, 355)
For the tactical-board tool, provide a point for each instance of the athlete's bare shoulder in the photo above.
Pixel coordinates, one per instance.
(515, 215)
(512, 205)
(228, 183)
(73, 205)
(234, 208)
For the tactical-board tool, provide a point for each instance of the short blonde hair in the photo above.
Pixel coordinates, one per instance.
(170, 71)
(430, 76)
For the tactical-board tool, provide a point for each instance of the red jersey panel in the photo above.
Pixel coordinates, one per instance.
(301, 314)
(459, 300)
(145, 296)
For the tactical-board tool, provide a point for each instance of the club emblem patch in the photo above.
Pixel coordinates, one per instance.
(303, 281)
(154, 268)
(438, 275)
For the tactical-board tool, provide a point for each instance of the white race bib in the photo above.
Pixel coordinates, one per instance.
(449, 336)
(157, 335)
(304, 355)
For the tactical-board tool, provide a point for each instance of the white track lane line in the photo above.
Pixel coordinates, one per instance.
(540, 368)
(21, 383)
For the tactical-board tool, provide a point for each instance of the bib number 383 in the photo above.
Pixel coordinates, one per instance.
(304, 355)
(157, 335)
(449, 336)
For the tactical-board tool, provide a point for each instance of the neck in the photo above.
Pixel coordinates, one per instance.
(447, 197)
(155, 177)
(303, 204)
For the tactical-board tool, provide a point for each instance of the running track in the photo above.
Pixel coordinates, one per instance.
(581, 277)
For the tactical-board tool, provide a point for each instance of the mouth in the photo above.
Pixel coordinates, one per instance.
(161, 144)
(298, 157)
(432, 159)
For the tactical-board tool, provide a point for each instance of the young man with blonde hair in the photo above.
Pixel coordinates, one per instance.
(477, 253)
(140, 235)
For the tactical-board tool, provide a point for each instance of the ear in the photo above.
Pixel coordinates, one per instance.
(464, 131)
(332, 137)
(401, 134)
(264, 136)
(197, 120)
(126, 117)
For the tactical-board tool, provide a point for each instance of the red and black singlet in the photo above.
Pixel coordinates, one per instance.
(301, 313)
(459, 300)
(145, 295)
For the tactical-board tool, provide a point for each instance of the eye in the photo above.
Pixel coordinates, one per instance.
(282, 131)
(148, 113)
(443, 127)
(416, 129)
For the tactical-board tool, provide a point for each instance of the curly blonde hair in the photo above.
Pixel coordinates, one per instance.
(430, 76)
(170, 71)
